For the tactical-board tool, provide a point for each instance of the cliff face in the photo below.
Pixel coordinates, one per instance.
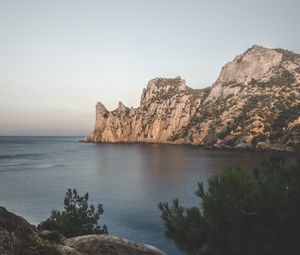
(255, 103)
(166, 107)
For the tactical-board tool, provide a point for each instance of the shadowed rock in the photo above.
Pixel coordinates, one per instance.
(16, 234)
(18, 237)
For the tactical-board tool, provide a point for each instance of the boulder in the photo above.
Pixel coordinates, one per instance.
(106, 245)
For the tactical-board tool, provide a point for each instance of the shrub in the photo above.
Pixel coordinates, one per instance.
(78, 218)
(241, 212)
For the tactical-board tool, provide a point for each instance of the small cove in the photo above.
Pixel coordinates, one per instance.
(128, 179)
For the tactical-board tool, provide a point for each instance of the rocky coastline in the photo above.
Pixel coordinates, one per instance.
(18, 237)
(254, 105)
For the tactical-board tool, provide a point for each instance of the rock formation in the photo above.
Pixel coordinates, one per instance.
(16, 234)
(106, 245)
(254, 104)
(18, 237)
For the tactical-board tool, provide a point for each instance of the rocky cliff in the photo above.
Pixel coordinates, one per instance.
(254, 104)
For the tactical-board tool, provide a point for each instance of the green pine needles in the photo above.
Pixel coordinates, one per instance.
(241, 212)
(78, 218)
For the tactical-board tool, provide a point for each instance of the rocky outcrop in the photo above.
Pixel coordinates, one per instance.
(105, 245)
(166, 107)
(16, 234)
(254, 104)
(18, 237)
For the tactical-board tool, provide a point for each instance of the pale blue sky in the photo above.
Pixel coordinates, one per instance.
(59, 57)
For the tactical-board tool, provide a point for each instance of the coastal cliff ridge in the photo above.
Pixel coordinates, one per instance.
(254, 104)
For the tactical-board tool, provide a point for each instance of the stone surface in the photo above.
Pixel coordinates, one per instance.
(106, 245)
(18, 237)
(162, 113)
(16, 234)
(254, 104)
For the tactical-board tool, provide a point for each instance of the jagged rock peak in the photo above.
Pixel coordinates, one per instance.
(253, 64)
(121, 107)
(257, 64)
(101, 108)
(257, 47)
(101, 115)
(161, 86)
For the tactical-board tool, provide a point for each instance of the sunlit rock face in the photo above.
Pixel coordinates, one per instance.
(255, 64)
(166, 107)
(254, 104)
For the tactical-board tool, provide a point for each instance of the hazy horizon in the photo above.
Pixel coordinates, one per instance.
(58, 58)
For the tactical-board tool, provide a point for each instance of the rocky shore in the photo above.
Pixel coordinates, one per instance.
(18, 237)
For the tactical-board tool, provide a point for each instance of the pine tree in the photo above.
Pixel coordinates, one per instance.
(78, 218)
(241, 212)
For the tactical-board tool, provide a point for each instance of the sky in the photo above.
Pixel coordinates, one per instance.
(59, 57)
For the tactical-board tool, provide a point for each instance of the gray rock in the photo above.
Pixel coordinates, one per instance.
(16, 234)
(86, 139)
(106, 245)
(18, 237)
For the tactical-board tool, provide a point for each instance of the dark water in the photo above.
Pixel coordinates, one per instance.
(129, 180)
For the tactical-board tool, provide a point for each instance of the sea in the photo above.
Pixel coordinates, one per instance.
(129, 180)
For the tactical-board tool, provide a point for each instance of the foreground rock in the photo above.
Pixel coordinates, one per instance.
(106, 245)
(254, 104)
(16, 234)
(18, 237)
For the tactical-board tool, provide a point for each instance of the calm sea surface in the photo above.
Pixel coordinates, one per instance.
(128, 179)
